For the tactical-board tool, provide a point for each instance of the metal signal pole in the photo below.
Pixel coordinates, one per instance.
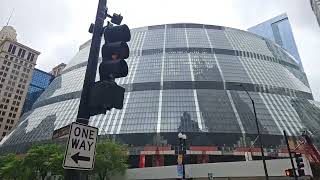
(83, 112)
(259, 134)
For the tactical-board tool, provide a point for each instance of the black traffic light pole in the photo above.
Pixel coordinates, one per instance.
(83, 112)
(290, 155)
(259, 134)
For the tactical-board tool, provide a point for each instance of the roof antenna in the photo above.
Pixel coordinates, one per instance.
(10, 17)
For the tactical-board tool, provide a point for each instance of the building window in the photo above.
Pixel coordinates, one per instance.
(19, 52)
(3, 134)
(10, 48)
(23, 53)
(30, 57)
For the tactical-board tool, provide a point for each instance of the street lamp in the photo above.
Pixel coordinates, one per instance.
(259, 134)
(182, 151)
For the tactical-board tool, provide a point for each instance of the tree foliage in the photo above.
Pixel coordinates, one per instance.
(44, 159)
(39, 161)
(11, 167)
(111, 159)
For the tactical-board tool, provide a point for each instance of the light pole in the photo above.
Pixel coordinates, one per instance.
(259, 134)
(182, 151)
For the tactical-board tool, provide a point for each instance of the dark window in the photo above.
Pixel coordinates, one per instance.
(19, 52)
(10, 48)
(176, 25)
(31, 58)
(156, 27)
(29, 55)
(14, 49)
(194, 25)
(213, 27)
(23, 53)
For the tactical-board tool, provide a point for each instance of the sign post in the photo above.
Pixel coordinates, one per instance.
(81, 147)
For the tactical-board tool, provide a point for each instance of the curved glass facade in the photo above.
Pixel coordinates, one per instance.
(185, 77)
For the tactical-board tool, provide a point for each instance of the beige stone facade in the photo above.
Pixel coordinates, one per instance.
(17, 62)
(315, 5)
(56, 71)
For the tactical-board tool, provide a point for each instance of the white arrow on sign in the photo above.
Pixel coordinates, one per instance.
(80, 153)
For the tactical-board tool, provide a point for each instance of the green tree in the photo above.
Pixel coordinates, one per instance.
(11, 167)
(111, 159)
(43, 159)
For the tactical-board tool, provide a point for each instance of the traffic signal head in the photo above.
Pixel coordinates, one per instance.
(120, 48)
(117, 33)
(109, 70)
(114, 51)
(300, 164)
(289, 172)
(104, 96)
(299, 160)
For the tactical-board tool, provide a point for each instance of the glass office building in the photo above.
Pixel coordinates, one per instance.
(278, 29)
(39, 82)
(185, 77)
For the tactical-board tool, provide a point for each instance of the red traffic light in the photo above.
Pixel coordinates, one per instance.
(289, 172)
(119, 48)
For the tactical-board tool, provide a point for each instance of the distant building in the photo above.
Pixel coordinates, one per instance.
(17, 62)
(56, 71)
(278, 29)
(315, 5)
(40, 81)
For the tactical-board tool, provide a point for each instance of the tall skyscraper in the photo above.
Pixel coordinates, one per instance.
(17, 62)
(40, 81)
(278, 29)
(315, 5)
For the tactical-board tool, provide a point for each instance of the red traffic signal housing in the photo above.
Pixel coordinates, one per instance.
(289, 172)
(106, 94)
(120, 48)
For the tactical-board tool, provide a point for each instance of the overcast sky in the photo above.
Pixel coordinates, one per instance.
(56, 28)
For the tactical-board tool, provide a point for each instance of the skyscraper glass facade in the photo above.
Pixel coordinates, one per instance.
(39, 82)
(278, 29)
(185, 77)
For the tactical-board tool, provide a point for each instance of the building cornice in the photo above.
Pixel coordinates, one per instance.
(21, 45)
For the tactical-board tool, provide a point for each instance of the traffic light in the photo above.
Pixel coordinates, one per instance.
(106, 94)
(289, 172)
(300, 164)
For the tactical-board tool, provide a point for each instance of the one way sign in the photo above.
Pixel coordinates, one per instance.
(81, 147)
